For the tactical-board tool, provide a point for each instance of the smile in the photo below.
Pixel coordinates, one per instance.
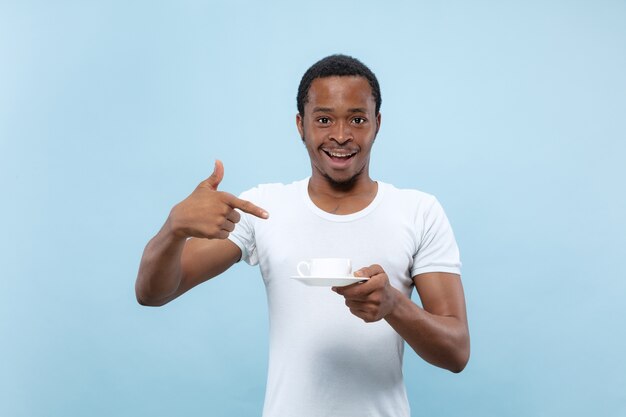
(339, 153)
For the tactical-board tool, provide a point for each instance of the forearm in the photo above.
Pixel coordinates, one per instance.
(440, 340)
(159, 273)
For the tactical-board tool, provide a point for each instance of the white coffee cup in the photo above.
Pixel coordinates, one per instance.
(326, 267)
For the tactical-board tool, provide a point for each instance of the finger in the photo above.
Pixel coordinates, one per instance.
(228, 226)
(356, 305)
(234, 216)
(364, 315)
(356, 291)
(345, 288)
(216, 177)
(369, 271)
(247, 207)
(222, 234)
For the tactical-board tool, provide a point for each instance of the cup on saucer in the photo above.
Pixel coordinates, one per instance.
(325, 267)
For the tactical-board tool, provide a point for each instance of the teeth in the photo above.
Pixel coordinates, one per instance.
(340, 155)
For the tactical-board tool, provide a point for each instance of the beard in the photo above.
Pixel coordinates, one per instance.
(343, 184)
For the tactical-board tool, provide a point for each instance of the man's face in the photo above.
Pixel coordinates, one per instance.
(339, 127)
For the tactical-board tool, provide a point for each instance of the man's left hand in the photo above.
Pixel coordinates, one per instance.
(373, 299)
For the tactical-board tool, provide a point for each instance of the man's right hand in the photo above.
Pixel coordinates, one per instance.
(208, 213)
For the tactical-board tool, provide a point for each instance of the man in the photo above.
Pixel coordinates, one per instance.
(339, 352)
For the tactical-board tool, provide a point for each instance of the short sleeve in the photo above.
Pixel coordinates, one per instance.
(437, 250)
(243, 235)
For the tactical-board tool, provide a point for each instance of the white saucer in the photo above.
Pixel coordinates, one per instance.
(328, 281)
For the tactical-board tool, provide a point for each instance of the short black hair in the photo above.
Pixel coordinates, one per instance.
(336, 65)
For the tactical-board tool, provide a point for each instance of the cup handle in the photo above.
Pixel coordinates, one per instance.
(308, 266)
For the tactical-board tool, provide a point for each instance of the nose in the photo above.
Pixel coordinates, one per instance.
(341, 133)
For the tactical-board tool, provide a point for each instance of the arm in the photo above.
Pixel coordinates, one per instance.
(438, 332)
(172, 264)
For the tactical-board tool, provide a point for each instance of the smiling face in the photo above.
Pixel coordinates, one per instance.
(338, 128)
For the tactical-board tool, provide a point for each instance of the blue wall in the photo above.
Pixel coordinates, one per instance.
(512, 113)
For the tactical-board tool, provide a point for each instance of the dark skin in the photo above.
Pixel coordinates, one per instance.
(338, 127)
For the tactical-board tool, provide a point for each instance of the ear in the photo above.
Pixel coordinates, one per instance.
(299, 125)
(378, 120)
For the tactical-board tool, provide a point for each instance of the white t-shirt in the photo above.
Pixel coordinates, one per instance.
(323, 360)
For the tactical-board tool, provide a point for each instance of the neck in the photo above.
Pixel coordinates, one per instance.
(342, 197)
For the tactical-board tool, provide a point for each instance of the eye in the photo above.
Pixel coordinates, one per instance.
(323, 120)
(359, 120)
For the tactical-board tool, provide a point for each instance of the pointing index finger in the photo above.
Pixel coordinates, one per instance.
(247, 207)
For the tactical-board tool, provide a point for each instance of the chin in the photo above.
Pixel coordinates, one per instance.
(343, 182)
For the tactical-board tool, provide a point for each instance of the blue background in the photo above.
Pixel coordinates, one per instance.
(512, 113)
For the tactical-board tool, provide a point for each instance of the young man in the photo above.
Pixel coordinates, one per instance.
(339, 352)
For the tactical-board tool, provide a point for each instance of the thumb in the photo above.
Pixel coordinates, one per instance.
(216, 177)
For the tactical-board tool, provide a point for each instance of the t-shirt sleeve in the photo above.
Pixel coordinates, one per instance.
(437, 250)
(243, 235)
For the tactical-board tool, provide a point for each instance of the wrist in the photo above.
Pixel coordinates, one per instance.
(401, 307)
(171, 232)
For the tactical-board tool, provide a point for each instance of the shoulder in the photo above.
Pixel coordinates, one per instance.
(415, 206)
(273, 191)
(409, 197)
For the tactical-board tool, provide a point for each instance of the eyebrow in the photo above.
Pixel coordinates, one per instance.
(330, 110)
(322, 110)
(357, 110)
